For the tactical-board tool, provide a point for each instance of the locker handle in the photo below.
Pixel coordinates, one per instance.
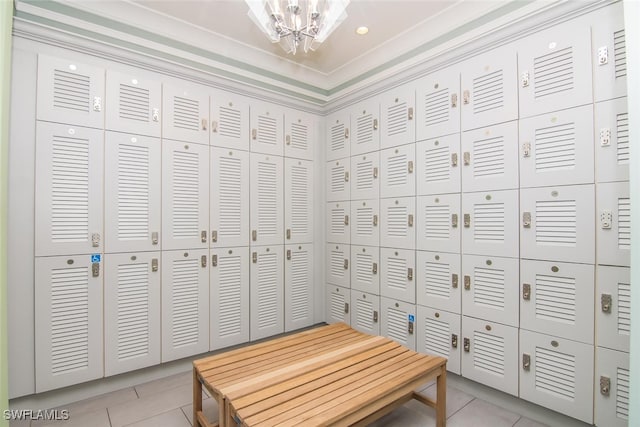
(466, 158)
(203, 236)
(375, 220)
(288, 254)
(95, 269)
(346, 177)
(214, 236)
(454, 341)
(410, 220)
(287, 139)
(410, 328)
(526, 149)
(375, 173)
(467, 282)
(375, 315)
(454, 281)
(346, 220)
(467, 220)
(605, 303)
(454, 159)
(154, 238)
(410, 111)
(524, 79)
(97, 103)
(346, 264)
(155, 114)
(346, 133)
(466, 344)
(255, 257)
(204, 124)
(526, 291)
(410, 166)
(154, 264)
(214, 126)
(346, 308)
(375, 268)
(466, 97)
(214, 260)
(526, 219)
(526, 361)
(375, 124)
(603, 55)
(605, 385)
(454, 220)
(288, 234)
(454, 100)
(254, 235)
(409, 273)
(95, 240)
(254, 134)
(203, 260)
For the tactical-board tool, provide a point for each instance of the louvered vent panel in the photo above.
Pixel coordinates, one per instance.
(71, 91)
(488, 353)
(69, 190)
(553, 72)
(437, 279)
(229, 296)
(134, 103)
(337, 137)
(488, 288)
(337, 264)
(624, 309)
(364, 222)
(397, 170)
(622, 393)
(186, 113)
(622, 133)
(624, 224)
(397, 273)
(397, 119)
(364, 313)
(229, 189)
(364, 125)
(299, 136)
(133, 192)
(69, 320)
(437, 222)
(364, 172)
(364, 266)
(488, 92)
(299, 200)
(436, 164)
(267, 199)
(133, 310)
(267, 133)
(397, 221)
(489, 222)
(488, 157)
(230, 122)
(267, 290)
(185, 194)
(436, 337)
(337, 179)
(337, 305)
(620, 53)
(397, 325)
(556, 223)
(436, 107)
(185, 280)
(337, 221)
(555, 148)
(555, 373)
(300, 285)
(556, 299)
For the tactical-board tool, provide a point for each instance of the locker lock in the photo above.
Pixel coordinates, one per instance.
(410, 274)
(375, 220)
(203, 236)
(375, 268)
(526, 219)
(346, 133)
(454, 100)
(454, 281)
(466, 158)
(605, 137)
(467, 220)
(214, 260)
(214, 236)
(255, 257)
(204, 124)
(466, 343)
(95, 269)
(467, 282)
(524, 79)
(346, 177)
(410, 113)
(605, 386)
(606, 218)
(410, 328)
(410, 166)
(95, 240)
(97, 103)
(454, 341)
(526, 149)
(214, 126)
(454, 159)
(605, 303)
(454, 220)
(346, 220)
(155, 114)
(154, 264)
(526, 361)
(375, 124)
(254, 235)
(465, 97)
(526, 291)
(287, 139)
(375, 173)
(410, 220)
(288, 254)
(346, 264)
(375, 315)
(203, 261)
(603, 55)
(254, 134)
(346, 308)
(154, 238)
(288, 234)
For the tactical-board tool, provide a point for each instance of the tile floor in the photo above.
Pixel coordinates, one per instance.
(167, 403)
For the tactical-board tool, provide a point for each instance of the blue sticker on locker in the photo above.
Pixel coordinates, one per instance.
(412, 318)
(96, 258)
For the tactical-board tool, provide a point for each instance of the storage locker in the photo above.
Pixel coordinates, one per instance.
(185, 303)
(299, 134)
(365, 216)
(338, 264)
(490, 158)
(490, 223)
(133, 104)
(266, 292)
(397, 274)
(437, 104)
(338, 178)
(397, 171)
(438, 227)
(131, 311)
(557, 148)
(266, 192)
(557, 299)
(438, 165)
(558, 224)
(298, 200)
(613, 307)
(185, 195)
(612, 140)
(397, 114)
(364, 179)
(70, 92)
(68, 320)
(490, 354)
(489, 88)
(267, 126)
(69, 190)
(554, 68)
(438, 280)
(612, 384)
(339, 222)
(338, 304)
(365, 126)
(229, 297)
(365, 313)
(365, 276)
(398, 223)
(229, 212)
(339, 141)
(132, 193)
(185, 113)
(298, 286)
(614, 225)
(398, 322)
(229, 121)
(439, 334)
(609, 54)
(557, 374)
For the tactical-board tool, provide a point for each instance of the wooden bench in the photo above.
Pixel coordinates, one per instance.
(331, 375)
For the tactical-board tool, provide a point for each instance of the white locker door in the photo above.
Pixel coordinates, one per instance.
(68, 321)
(298, 200)
(612, 140)
(364, 271)
(267, 127)
(338, 175)
(397, 274)
(439, 223)
(611, 388)
(489, 89)
(229, 214)
(558, 374)
(131, 311)
(298, 287)
(558, 223)
(133, 104)
(490, 158)
(229, 297)
(438, 165)
(185, 195)
(556, 149)
(338, 305)
(339, 222)
(365, 215)
(70, 92)
(490, 288)
(398, 223)
(439, 334)
(397, 171)
(266, 206)
(398, 322)
(490, 354)
(69, 190)
(437, 104)
(266, 293)
(397, 112)
(185, 113)
(185, 303)
(614, 225)
(364, 180)
(338, 264)
(339, 141)
(365, 124)
(438, 280)
(557, 299)
(490, 223)
(554, 67)
(299, 134)
(365, 315)
(132, 189)
(613, 307)
(229, 121)
(609, 54)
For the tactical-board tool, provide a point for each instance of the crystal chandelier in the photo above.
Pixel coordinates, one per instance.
(297, 24)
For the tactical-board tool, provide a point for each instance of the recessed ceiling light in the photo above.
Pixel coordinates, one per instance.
(362, 30)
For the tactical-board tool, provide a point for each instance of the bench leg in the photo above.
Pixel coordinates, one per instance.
(197, 399)
(441, 398)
